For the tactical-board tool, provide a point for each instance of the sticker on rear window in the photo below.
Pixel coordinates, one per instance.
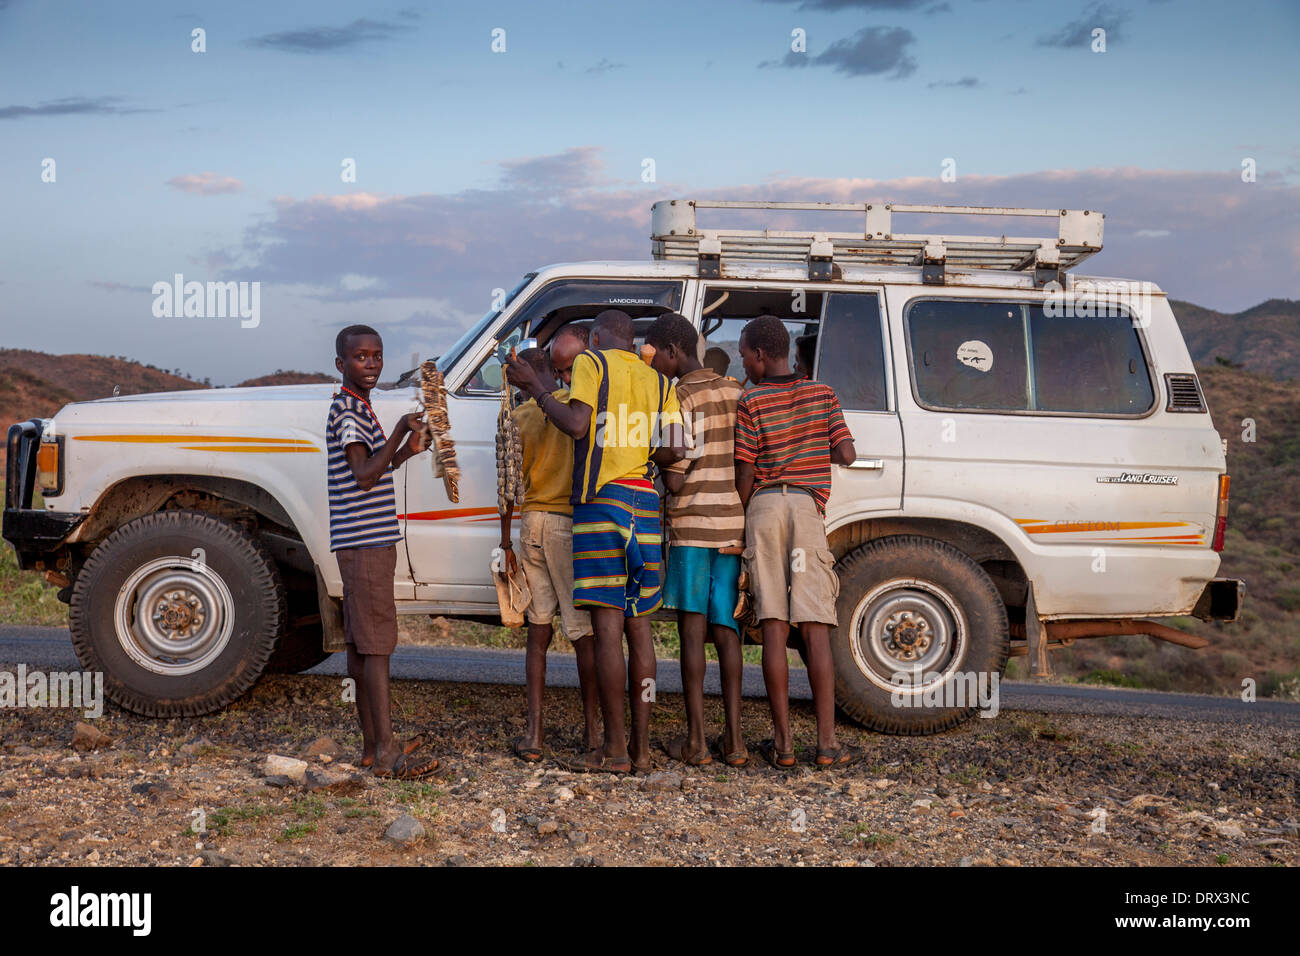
(976, 354)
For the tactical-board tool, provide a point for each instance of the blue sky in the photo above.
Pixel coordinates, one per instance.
(473, 166)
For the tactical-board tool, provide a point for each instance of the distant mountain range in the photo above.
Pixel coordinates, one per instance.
(37, 384)
(1263, 339)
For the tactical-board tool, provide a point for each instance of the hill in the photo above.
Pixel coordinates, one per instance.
(37, 384)
(1265, 338)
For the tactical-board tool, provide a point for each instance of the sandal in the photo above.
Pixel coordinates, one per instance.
(736, 760)
(676, 749)
(778, 759)
(526, 754)
(603, 764)
(409, 746)
(840, 756)
(409, 768)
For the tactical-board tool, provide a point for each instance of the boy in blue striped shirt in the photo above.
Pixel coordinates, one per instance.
(363, 537)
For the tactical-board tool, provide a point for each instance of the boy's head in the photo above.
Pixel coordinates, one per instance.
(765, 348)
(676, 344)
(568, 343)
(540, 362)
(805, 354)
(359, 356)
(613, 329)
(718, 360)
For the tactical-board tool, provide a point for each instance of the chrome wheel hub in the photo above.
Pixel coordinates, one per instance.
(174, 616)
(907, 634)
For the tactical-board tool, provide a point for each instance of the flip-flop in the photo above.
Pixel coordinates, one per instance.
(841, 756)
(735, 760)
(776, 757)
(409, 768)
(676, 749)
(581, 764)
(526, 754)
(409, 746)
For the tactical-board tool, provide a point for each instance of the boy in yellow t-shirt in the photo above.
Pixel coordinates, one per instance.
(624, 419)
(546, 552)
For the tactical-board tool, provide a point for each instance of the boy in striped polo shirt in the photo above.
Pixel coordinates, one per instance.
(788, 432)
(363, 537)
(706, 534)
(623, 418)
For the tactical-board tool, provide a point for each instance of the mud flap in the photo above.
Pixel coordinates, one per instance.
(1036, 639)
(331, 618)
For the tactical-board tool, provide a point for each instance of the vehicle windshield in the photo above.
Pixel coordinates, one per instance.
(453, 354)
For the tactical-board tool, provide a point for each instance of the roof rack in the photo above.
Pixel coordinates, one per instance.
(674, 235)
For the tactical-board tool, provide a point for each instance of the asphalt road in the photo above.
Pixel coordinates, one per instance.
(50, 648)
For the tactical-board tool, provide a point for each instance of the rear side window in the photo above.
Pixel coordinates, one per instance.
(1088, 364)
(852, 353)
(1011, 356)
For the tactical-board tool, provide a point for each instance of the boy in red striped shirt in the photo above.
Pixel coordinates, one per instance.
(789, 430)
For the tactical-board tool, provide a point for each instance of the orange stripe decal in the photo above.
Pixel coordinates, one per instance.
(1094, 527)
(155, 439)
(266, 449)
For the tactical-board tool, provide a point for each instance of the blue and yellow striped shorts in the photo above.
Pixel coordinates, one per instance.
(618, 550)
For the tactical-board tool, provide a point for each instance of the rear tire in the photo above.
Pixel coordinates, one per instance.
(180, 610)
(909, 607)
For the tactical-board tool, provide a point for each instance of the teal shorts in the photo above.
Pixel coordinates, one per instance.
(702, 581)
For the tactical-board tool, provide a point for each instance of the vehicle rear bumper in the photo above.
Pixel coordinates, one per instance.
(1221, 600)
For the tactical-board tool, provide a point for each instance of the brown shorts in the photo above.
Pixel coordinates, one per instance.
(369, 610)
(791, 569)
(546, 554)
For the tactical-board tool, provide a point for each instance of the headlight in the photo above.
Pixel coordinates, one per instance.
(49, 460)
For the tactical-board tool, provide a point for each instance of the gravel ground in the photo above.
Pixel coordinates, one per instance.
(1020, 789)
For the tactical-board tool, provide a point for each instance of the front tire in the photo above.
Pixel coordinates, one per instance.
(180, 610)
(917, 617)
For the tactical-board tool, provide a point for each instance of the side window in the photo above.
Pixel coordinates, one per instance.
(1089, 364)
(852, 359)
(725, 313)
(969, 354)
(1011, 356)
(573, 300)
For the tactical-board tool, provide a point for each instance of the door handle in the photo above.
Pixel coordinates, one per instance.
(869, 464)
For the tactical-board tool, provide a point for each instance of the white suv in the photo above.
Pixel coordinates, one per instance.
(1037, 465)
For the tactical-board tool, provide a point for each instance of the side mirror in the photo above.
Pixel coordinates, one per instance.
(513, 341)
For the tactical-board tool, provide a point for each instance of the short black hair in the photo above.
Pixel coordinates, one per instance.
(617, 323)
(341, 340)
(579, 331)
(539, 359)
(673, 328)
(805, 347)
(767, 334)
(717, 359)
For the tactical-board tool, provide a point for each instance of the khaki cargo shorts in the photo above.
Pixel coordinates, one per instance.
(546, 555)
(791, 569)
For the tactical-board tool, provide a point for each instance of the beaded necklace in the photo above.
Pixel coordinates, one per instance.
(373, 416)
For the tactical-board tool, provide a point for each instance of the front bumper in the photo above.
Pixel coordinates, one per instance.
(34, 533)
(1221, 600)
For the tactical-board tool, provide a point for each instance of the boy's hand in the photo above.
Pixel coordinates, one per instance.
(417, 441)
(511, 562)
(522, 375)
(410, 422)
